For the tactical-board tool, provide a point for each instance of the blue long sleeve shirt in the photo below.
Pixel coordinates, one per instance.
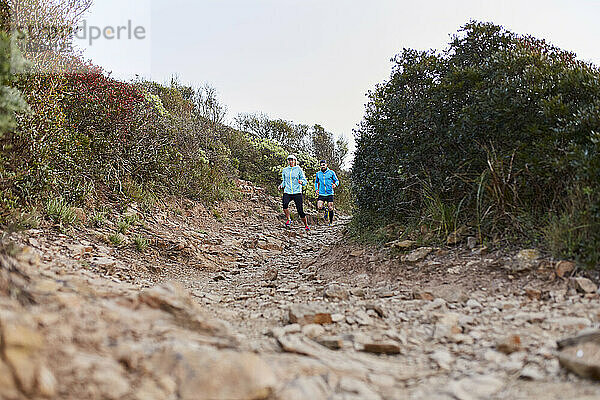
(324, 182)
(292, 180)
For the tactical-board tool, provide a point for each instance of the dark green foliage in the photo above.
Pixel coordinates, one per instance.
(90, 136)
(200, 165)
(11, 100)
(498, 132)
(344, 196)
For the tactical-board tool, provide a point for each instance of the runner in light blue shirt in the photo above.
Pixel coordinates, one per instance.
(292, 181)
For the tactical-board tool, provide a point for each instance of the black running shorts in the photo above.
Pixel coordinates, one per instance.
(328, 199)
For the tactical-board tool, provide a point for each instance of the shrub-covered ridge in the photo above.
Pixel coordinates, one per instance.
(499, 133)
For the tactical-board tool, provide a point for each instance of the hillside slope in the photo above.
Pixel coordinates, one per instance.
(229, 304)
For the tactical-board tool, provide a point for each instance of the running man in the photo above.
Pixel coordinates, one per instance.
(325, 182)
(292, 180)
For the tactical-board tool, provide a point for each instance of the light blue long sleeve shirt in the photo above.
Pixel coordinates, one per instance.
(292, 180)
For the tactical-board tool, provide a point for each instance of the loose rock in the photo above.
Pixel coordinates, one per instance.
(304, 314)
(313, 330)
(509, 344)
(525, 260)
(417, 255)
(564, 268)
(475, 388)
(382, 348)
(583, 285)
(335, 291)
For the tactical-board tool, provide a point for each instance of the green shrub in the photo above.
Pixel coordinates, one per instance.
(60, 212)
(126, 222)
(498, 132)
(11, 99)
(144, 197)
(575, 231)
(199, 166)
(116, 239)
(123, 226)
(131, 219)
(141, 243)
(98, 219)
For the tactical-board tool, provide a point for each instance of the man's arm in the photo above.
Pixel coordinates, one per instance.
(336, 181)
(317, 183)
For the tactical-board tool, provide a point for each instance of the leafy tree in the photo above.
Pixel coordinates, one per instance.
(340, 152)
(322, 144)
(256, 124)
(296, 137)
(290, 135)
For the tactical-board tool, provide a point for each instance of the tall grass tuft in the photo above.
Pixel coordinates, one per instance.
(141, 243)
(60, 212)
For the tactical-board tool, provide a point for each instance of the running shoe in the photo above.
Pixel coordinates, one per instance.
(288, 223)
(307, 228)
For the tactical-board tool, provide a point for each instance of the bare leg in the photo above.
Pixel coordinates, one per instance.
(286, 211)
(304, 220)
(319, 204)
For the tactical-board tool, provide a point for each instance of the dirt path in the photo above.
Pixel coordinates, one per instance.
(282, 313)
(448, 347)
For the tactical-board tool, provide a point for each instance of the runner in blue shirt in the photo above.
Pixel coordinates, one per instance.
(325, 182)
(292, 180)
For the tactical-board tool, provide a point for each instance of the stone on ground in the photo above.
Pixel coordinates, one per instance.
(304, 314)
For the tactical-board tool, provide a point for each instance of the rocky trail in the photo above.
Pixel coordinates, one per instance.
(228, 304)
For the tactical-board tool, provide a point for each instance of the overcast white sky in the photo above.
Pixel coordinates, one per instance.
(311, 61)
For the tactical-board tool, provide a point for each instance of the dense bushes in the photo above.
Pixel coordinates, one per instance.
(200, 166)
(498, 132)
(261, 160)
(78, 135)
(90, 136)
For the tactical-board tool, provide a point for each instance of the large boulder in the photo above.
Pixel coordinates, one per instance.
(203, 372)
